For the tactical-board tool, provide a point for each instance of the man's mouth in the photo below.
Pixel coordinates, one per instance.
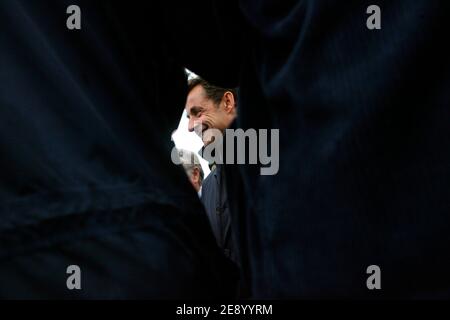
(206, 137)
(200, 130)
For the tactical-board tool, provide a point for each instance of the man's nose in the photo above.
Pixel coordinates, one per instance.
(191, 125)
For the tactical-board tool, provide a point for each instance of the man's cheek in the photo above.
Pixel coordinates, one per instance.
(198, 127)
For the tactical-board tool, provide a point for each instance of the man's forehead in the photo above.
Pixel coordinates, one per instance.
(197, 92)
(195, 97)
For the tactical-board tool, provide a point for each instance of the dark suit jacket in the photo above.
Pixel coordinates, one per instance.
(215, 200)
(86, 176)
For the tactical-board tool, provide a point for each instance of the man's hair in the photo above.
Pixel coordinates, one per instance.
(190, 161)
(212, 92)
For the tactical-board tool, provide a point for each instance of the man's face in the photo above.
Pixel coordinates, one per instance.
(194, 178)
(204, 114)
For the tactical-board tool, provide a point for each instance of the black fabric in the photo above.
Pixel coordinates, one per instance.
(364, 149)
(86, 175)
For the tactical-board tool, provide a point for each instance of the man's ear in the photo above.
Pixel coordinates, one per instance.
(229, 102)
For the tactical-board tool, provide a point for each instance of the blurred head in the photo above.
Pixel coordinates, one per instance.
(209, 107)
(193, 168)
